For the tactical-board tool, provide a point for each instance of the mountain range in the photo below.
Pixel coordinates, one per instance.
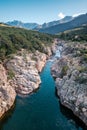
(22, 25)
(76, 22)
(36, 26)
(53, 23)
(53, 27)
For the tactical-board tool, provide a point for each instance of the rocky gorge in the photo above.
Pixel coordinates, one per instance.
(70, 73)
(19, 74)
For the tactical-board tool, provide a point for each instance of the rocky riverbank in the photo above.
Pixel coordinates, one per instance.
(7, 92)
(19, 74)
(70, 73)
(25, 68)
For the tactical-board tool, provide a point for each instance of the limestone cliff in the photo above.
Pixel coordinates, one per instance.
(70, 72)
(26, 67)
(7, 92)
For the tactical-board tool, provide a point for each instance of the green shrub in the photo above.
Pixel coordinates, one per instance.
(64, 70)
(11, 74)
(82, 69)
(84, 58)
(81, 80)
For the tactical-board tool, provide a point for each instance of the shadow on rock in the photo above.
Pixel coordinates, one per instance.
(70, 116)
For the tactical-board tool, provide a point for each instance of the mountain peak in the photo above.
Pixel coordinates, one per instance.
(22, 25)
(63, 26)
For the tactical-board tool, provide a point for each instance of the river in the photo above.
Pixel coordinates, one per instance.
(41, 110)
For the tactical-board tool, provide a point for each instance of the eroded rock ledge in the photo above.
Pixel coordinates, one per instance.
(70, 73)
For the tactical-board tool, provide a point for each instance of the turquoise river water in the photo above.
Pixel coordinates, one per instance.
(41, 110)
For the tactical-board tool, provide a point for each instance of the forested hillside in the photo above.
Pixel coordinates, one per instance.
(13, 39)
(77, 34)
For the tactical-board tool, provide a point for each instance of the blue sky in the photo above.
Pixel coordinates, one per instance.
(40, 11)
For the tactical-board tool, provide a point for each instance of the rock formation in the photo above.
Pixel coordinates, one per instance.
(19, 74)
(26, 68)
(70, 73)
(7, 92)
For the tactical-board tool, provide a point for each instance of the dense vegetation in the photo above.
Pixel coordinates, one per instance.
(13, 39)
(77, 34)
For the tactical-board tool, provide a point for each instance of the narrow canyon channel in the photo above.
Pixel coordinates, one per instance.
(41, 110)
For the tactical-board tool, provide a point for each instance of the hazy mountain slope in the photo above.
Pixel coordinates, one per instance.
(22, 25)
(36, 26)
(52, 23)
(76, 22)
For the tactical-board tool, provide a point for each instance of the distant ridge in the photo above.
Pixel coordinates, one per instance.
(53, 23)
(36, 26)
(76, 22)
(22, 25)
(53, 27)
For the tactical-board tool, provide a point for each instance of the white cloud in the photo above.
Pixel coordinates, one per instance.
(75, 15)
(61, 15)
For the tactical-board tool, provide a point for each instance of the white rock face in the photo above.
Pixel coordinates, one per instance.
(7, 92)
(26, 68)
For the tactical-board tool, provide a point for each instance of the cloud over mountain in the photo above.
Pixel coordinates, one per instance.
(61, 15)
